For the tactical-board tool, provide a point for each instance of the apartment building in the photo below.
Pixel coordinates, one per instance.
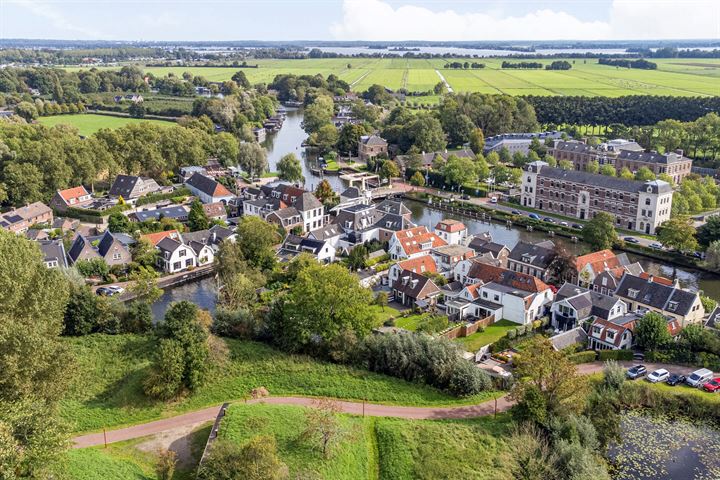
(637, 206)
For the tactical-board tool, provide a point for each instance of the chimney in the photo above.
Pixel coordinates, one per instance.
(679, 151)
(650, 278)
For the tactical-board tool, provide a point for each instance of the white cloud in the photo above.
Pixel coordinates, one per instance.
(47, 11)
(629, 19)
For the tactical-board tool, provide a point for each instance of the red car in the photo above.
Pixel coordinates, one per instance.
(712, 386)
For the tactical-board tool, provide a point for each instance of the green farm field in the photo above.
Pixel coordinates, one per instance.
(88, 123)
(674, 77)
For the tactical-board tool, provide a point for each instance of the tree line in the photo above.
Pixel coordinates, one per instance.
(640, 63)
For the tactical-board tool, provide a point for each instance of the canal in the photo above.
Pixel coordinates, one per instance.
(289, 140)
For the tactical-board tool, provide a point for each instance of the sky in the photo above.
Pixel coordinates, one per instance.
(392, 20)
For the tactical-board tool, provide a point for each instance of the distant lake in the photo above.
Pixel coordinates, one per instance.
(468, 52)
(659, 447)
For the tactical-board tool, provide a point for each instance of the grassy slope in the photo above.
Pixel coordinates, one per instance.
(492, 334)
(110, 371)
(677, 77)
(88, 123)
(403, 449)
(124, 461)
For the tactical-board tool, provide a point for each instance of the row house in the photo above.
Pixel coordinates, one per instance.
(674, 164)
(637, 206)
(413, 242)
(533, 259)
(19, 220)
(580, 154)
(658, 294)
(576, 305)
(618, 333)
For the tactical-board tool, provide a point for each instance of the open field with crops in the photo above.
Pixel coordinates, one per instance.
(675, 77)
(88, 123)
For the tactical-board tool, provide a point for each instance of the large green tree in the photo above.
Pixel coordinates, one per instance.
(197, 218)
(289, 168)
(652, 331)
(322, 303)
(256, 239)
(600, 232)
(35, 367)
(678, 233)
(252, 158)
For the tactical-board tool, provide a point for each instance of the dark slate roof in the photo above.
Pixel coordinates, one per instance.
(307, 201)
(123, 185)
(537, 255)
(602, 181)
(205, 184)
(168, 244)
(197, 246)
(372, 140)
(414, 285)
(393, 206)
(569, 290)
(351, 192)
(585, 301)
(221, 233)
(573, 146)
(491, 247)
(651, 157)
(328, 231)
(357, 217)
(297, 244)
(569, 338)
(77, 247)
(287, 212)
(53, 250)
(393, 222)
(655, 294)
(713, 320)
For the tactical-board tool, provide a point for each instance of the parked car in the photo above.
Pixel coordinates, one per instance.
(109, 290)
(465, 197)
(534, 216)
(675, 379)
(564, 224)
(631, 240)
(516, 212)
(636, 371)
(656, 245)
(493, 199)
(549, 220)
(699, 377)
(658, 376)
(577, 225)
(712, 386)
(697, 254)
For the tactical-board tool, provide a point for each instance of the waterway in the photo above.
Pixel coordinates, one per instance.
(289, 140)
(469, 52)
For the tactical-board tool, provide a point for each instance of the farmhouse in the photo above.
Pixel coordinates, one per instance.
(131, 187)
(208, 190)
(371, 146)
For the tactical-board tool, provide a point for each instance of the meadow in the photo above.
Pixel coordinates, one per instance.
(107, 391)
(88, 123)
(379, 447)
(674, 77)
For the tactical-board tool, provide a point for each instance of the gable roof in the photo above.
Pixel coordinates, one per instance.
(393, 206)
(656, 295)
(372, 140)
(208, 186)
(328, 231)
(307, 201)
(415, 285)
(168, 244)
(450, 226)
(53, 250)
(72, 193)
(521, 281)
(154, 238)
(412, 239)
(603, 257)
(533, 254)
(425, 263)
(109, 238)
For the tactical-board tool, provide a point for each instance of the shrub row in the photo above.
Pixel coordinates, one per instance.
(678, 401)
(617, 355)
(582, 357)
(180, 192)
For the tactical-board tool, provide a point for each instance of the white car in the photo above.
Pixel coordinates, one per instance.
(493, 199)
(658, 376)
(116, 290)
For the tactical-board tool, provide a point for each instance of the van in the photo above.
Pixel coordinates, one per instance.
(699, 377)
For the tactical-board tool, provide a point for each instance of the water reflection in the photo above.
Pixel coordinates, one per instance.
(202, 293)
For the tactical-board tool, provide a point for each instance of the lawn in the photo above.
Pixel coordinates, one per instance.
(410, 322)
(492, 334)
(88, 123)
(385, 448)
(675, 77)
(383, 314)
(124, 460)
(107, 391)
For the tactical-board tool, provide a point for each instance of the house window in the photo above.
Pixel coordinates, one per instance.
(496, 298)
(182, 253)
(485, 295)
(632, 293)
(177, 265)
(116, 256)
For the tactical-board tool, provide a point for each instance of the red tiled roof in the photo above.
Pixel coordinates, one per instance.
(657, 279)
(155, 238)
(416, 264)
(473, 289)
(221, 191)
(411, 239)
(215, 209)
(71, 193)
(522, 281)
(619, 330)
(603, 258)
(450, 226)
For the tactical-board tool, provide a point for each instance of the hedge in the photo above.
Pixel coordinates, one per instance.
(615, 355)
(582, 357)
(180, 192)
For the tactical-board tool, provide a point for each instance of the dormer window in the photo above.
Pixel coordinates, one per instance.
(632, 293)
(672, 306)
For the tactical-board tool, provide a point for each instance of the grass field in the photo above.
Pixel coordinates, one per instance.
(111, 368)
(676, 77)
(384, 448)
(130, 460)
(492, 334)
(88, 123)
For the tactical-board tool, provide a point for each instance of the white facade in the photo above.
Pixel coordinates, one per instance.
(653, 209)
(182, 258)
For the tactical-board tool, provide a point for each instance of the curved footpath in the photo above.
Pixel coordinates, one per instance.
(355, 408)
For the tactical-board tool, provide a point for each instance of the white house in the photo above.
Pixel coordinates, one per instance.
(413, 242)
(175, 255)
(208, 190)
(453, 232)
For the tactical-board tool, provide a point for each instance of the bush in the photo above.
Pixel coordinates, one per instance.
(617, 355)
(179, 194)
(511, 334)
(582, 357)
(420, 358)
(235, 324)
(521, 330)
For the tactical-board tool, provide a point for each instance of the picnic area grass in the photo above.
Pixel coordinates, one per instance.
(384, 448)
(491, 334)
(110, 370)
(89, 123)
(131, 460)
(673, 77)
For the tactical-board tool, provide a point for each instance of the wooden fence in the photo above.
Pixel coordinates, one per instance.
(467, 329)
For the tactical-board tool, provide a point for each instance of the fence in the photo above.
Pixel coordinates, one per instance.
(467, 329)
(213, 433)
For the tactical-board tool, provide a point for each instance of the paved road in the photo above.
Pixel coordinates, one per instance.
(355, 408)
